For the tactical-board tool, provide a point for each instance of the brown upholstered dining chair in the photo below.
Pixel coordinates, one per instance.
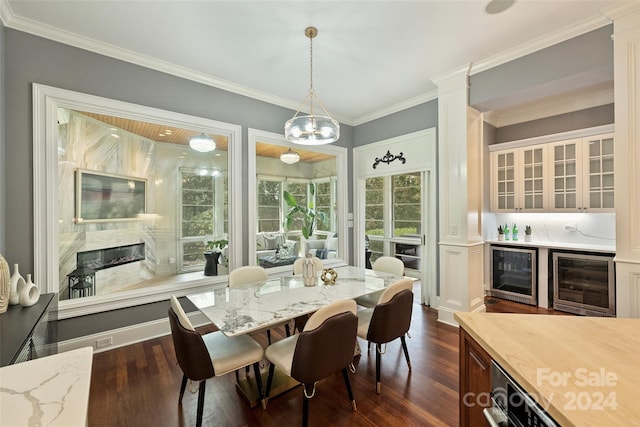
(388, 320)
(210, 355)
(324, 347)
(384, 264)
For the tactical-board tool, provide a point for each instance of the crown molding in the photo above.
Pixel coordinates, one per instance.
(540, 43)
(622, 9)
(65, 37)
(400, 106)
(11, 20)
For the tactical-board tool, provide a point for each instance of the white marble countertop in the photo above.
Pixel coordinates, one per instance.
(50, 391)
(556, 245)
(256, 306)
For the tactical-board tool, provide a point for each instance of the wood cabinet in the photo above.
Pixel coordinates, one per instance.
(519, 179)
(475, 381)
(573, 175)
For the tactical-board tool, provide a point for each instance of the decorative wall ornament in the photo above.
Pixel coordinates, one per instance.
(388, 158)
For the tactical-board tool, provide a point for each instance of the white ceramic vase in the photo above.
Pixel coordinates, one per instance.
(29, 293)
(5, 284)
(309, 271)
(17, 281)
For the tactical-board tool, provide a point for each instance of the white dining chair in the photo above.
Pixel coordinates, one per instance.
(247, 274)
(385, 264)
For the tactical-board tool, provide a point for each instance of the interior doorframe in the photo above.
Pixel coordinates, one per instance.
(419, 151)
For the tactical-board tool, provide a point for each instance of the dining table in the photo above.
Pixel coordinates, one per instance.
(261, 305)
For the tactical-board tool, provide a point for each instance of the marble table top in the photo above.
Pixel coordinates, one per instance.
(257, 306)
(50, 391)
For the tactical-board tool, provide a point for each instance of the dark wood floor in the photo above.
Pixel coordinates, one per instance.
(138, 385)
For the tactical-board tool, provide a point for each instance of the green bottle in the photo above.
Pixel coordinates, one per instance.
(514, 233)
(506, 232)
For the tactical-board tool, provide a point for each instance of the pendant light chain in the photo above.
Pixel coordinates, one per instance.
(311, 92)
(311, 129)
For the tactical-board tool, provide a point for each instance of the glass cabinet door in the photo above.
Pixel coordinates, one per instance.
(599, 191)
(533, 191)
(506, 181)
(566, 176)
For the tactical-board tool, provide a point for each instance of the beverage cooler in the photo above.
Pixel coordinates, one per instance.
(514, 274)
(584, 283)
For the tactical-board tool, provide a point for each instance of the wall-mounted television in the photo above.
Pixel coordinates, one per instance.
(102, 197)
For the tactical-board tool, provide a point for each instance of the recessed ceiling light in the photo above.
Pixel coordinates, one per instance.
(498, 6)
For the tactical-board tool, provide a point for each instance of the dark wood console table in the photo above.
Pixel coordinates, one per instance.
(29, 332)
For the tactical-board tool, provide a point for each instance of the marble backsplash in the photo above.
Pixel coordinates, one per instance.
(577, 228)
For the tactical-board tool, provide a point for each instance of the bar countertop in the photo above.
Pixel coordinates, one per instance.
(585, 371)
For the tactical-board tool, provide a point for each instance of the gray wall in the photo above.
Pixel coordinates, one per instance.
(596, 116)
(576, 63)
(420, 117)
(30, 59)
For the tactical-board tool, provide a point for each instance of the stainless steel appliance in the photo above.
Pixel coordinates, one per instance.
(584, 283)
(514, 274)
(511, 405)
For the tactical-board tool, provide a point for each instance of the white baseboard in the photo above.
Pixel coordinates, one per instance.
(126, 336)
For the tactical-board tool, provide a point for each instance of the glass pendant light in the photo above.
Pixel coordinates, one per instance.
(311, 129)
(202, 143)
(290, 157)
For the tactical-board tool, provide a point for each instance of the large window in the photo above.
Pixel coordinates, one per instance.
(77, 131)
(269, 205)
(203, 214)
(314, 183)
(393, 217)
(272, 207)
(407, 212)
(325, 201)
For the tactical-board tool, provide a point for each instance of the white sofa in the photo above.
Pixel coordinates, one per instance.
(268, 243)
(322, 248)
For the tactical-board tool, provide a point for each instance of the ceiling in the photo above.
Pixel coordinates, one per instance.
(370, 58)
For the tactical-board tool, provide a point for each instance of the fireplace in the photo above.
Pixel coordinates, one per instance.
(584, 283)
(99, 259)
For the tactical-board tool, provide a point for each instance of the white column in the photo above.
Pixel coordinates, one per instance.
(626, 56)
(460, 199)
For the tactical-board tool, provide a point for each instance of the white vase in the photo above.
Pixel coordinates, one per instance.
(5, 284)
(17, 281)
(309, 270)
(29, 293)
(527, 237)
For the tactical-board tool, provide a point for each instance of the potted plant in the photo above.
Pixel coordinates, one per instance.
(308, 214)
(212, 255)
(527, 233)
(500, 233)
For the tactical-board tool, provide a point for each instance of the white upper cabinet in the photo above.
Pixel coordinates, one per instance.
(582, 172)
(573, 175)
(519, 179)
